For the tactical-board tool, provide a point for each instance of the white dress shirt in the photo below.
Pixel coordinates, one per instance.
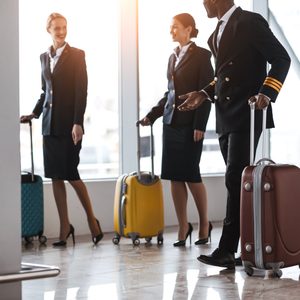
(55, 58)
(181, 53)
(224, 20)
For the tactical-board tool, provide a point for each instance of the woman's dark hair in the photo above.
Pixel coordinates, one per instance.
(187, 20)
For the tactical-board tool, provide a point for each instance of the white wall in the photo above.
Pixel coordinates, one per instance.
(102, 195)
(10, 242)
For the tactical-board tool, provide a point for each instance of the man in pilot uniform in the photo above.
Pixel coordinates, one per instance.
(242, 45)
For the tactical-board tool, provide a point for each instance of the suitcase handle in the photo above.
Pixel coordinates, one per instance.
(138, 123)
(264, 130)
(262, 160)
(31, 150)
(123, 215)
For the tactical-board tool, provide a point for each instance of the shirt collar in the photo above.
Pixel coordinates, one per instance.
(228, 14)
(182, 49)
(58, 50)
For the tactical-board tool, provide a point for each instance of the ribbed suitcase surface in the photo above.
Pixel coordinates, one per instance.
(32, 205)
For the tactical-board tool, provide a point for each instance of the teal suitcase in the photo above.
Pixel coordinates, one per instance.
(32, 203)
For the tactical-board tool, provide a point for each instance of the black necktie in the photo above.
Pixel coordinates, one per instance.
(215, 36)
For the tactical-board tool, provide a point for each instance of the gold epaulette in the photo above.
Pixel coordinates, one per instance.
(273, 83)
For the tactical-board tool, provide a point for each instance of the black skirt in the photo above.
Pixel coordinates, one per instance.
(180, 155)
(61, 157)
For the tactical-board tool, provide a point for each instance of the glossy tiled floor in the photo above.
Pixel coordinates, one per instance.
(153, 272)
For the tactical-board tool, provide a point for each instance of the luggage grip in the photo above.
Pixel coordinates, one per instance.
(123, 214)
(262, 160)
(264, 134)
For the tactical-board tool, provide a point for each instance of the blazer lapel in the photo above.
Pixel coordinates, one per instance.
(62, 58)
(227, 37)
(186, 56)
(210, 44)
(172, 63)
(46, 65)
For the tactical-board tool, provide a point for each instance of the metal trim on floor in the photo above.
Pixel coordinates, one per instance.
(29, 272)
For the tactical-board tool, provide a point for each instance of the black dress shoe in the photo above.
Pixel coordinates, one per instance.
(219, 258)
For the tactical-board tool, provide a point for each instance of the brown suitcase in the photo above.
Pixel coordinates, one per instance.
(270, 219)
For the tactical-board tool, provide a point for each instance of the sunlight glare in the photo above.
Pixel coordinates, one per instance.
(49, 295)
(72, 293)
(103, 291)
(212, 294)
(192, 278)
(169, 286)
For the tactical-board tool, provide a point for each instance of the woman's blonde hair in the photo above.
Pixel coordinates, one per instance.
(52, 17)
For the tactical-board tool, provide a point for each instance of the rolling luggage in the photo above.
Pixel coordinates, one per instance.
(138, 204)
(270, 206)
(32, 203)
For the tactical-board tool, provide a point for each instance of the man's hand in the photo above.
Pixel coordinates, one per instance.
(198, 135)
(77, 133)
(261, 101)
(145, 121)
(192, 100)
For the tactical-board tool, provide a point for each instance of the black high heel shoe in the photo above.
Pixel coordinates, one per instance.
(181, 243)
(96, 239)
(205, 240)
(64, 243)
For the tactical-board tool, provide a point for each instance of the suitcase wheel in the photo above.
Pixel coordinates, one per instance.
(277, 273)
(42, 239)
(116, 239)
(160, 239)
(249, 271)
(136, 242)
(148, 239)
(28, 239)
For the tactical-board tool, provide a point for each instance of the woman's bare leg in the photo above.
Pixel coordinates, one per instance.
(84, 198)
(200, 197)
(60, 196)
(179, 195)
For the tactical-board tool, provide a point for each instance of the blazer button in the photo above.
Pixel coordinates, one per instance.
(227, 98)
(216, 97)
(227, 79)
(216, 79)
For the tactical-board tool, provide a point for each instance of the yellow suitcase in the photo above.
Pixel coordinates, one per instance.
(138, 205)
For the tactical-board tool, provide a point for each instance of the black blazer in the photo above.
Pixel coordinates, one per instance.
(63, 100)
(193, 72)
(246, 46)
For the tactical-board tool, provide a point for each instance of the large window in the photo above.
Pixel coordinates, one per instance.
(93, 27)
(285, 138)
(155, 47)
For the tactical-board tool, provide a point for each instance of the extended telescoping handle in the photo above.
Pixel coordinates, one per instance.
(31, 150)
(139, 150)
(264, 135)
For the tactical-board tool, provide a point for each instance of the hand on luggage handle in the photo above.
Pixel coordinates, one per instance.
(252, 125)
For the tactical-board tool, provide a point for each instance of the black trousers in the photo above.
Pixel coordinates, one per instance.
(235, 148)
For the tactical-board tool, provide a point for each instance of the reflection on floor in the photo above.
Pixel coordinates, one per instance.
(148, 271)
